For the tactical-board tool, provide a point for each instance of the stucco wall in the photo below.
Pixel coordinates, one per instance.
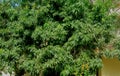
(111, 67)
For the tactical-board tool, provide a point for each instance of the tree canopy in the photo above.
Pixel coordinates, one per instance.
(54, 37)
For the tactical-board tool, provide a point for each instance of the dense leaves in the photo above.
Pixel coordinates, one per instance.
(54, 37)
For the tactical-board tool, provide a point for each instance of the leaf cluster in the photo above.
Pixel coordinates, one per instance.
(54, 37)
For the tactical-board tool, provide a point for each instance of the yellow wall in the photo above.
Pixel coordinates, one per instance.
(111, 67)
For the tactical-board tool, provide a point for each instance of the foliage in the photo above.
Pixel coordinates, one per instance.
(54, 37)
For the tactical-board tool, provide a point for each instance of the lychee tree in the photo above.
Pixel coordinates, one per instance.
(54, 37)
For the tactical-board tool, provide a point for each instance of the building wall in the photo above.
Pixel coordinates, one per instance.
(111, 67)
